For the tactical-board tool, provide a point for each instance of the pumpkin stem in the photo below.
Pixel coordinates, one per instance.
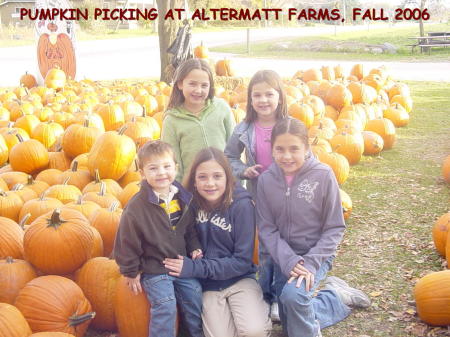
(19, 137)
(24, 220)
(122, 129)
(114, 206)
(66, 181)
(75, 320)
(97, 177)
(74, 166)
(17, 187)
(55, 221)
(102, 189)
(79, 200)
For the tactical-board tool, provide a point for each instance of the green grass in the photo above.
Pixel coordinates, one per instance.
(398, 36)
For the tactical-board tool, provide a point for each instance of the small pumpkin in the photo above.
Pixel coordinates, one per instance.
(28, 80)
(12, 322)
(14, 274)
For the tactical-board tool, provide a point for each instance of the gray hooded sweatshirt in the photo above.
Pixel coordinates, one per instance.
(303, 222)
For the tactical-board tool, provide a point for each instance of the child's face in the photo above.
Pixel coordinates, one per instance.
(264, 100)
(160, 172)
(289, 153)
(210, 181)
(195, 88)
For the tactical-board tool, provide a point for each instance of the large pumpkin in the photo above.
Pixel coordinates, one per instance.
(55, 303)
(11, 239)
(78, 139)
(432, 294)
(28, 156)
(112, 155)
(59, 242)
(98, 279)
(132, 311)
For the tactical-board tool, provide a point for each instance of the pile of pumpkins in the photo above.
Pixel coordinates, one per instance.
(68, 153)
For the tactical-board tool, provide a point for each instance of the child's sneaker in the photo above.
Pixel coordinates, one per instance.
(349, 296)
(274, 313)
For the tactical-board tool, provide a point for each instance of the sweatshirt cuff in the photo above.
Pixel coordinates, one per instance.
(291, 264)
(188, 268)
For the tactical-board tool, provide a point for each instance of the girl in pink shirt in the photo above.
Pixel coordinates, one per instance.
(266, 105)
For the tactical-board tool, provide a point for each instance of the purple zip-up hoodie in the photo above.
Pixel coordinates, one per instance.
(303, 222)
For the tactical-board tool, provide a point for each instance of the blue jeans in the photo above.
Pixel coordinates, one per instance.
(164, 293)
(266, 276)
(299, 309)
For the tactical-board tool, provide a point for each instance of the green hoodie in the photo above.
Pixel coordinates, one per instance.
(189, 133)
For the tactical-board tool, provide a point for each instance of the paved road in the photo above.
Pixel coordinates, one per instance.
(139, 57)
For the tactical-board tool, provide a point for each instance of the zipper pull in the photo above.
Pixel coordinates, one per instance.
(288, 192)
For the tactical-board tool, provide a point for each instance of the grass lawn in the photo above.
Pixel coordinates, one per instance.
(398, 36)
(397, 197)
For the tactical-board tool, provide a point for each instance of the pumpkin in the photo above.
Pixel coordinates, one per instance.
(225, 68)
(112, 155)
(50, 176)
(338, 163)
(98, 279)
(63, 192)
(112, 115)
(446, 169)
(350, 146)
(405, 101)
(106, 221)
(201, 52)
(303, 112)
(131, 175)
(37, 207)
(11, 239)
(27, 123)
(347, 204)
(385, 128)
(316, 104)
(87, 208)
(432, 295)
(440, 230)
(29, 156)
(74, 176)
(132, 312)
(101, 197)
(397, 115)
(12, 322)
(128, 192)
(48, 133)
(10, 205)
(24, 193)
(357, 71)
(59, 160)
(373, 143)
(312, 74)
(111, 185)
(338, 96)
(39, 186)
(59, 242)
(14, 274)
(55, 303)
(28, 80)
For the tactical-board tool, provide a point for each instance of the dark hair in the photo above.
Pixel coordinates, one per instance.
(207, 154)
(183, 70)
(292, 126)
(153, 148)
(274, 80)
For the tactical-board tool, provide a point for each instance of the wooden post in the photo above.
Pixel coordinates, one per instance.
(248, 41)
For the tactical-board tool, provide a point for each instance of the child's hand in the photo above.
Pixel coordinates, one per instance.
(134, 284)
(174, 265)
(197, 254)
(299, 272)
(252, 171)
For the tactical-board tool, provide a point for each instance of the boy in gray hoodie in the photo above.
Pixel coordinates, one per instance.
(300, 221)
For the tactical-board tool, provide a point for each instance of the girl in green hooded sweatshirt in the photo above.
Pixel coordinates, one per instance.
(195, 119)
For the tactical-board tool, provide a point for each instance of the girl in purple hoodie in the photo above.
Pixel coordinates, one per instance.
(300, 221)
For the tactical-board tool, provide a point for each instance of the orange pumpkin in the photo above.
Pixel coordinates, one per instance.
(12, 322)
(28, 80)
(55, 303)
(14, 274)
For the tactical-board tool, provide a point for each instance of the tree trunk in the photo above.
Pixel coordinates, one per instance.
(422, 6)
(167, 30)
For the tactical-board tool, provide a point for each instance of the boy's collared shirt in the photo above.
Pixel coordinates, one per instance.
(171, 205)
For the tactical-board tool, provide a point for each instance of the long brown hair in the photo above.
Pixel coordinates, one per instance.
(177, 98)
(204, 155)
(292, 126)
(274, 80)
